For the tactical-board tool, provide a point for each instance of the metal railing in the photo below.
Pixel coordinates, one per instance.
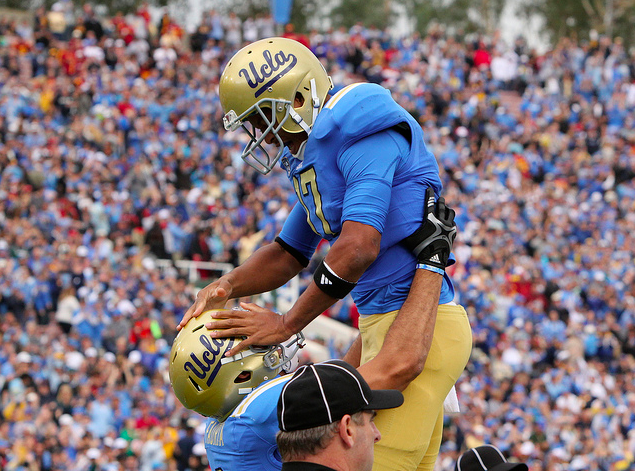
(192, 268)
(281, 299)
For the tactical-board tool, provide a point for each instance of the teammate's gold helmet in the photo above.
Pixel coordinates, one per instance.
(266, 77)
(206, 381)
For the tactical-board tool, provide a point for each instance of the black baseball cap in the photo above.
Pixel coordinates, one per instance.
(322, 393)
(486, 458)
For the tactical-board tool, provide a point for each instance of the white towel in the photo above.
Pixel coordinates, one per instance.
(451, 402)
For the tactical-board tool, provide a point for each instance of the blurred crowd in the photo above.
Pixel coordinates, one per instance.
(113, 158)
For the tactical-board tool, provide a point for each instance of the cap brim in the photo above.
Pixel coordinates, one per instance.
(385, 399)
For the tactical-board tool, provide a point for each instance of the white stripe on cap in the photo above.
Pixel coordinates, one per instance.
(282, 396)
(478, 457)
(361, 390)
(326, 403)
(458, 463)
(499, 452)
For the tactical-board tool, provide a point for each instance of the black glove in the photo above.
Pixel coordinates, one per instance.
(432, 242)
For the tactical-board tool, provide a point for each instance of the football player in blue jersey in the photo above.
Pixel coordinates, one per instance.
(367, 183)
(239, 394)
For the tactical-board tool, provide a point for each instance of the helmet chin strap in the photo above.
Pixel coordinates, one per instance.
(274, 356)
(315, 101)
(298, 120)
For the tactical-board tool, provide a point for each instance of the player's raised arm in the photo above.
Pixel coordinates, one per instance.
(414, 325)
(349, 257)
(268, 268)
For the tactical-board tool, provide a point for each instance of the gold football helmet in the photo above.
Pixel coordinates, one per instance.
(266, 77)
(206, 381)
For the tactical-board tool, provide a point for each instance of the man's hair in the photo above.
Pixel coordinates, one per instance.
(299, 444)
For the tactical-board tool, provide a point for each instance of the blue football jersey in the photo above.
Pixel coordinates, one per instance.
(246, 440)
(365, 161)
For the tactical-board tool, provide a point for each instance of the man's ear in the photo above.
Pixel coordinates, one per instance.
(347, 431)
(299, 100)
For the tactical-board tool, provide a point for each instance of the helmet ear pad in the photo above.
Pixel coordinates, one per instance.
(299, 100)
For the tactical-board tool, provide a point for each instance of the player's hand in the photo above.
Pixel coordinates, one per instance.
(260, 326)
(432, 242)
(213, 296)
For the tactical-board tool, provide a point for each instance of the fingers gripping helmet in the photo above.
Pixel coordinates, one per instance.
(206, 381)
(265, 77)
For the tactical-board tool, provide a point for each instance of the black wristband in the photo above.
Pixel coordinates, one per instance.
(331, 284)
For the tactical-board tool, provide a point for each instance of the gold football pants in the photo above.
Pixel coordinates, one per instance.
(411, 434)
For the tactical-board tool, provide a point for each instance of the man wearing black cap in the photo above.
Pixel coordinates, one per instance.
(325, 415)
(486, 458)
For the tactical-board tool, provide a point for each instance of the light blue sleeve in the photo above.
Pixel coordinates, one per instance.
(298, 233)
(369, 166)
